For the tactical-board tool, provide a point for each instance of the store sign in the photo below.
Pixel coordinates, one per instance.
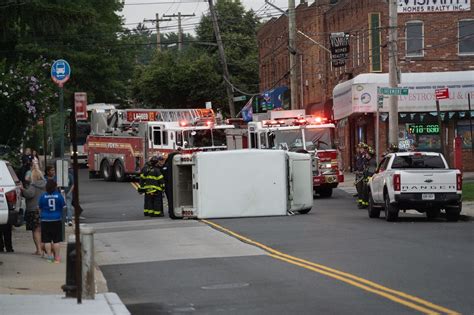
(442, 94)
(339, 48)
(423, 129)
(433, 6)
(80, 105)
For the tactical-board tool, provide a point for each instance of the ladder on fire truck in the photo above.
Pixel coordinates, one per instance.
(191, 115)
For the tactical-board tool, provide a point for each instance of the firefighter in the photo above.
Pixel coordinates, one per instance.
(152, 185)
(369, 170)
(166, 168)
(359, 170)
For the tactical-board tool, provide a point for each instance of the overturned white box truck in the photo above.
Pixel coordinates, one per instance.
(242, 183)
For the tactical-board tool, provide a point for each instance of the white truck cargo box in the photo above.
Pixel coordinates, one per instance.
(242, 183)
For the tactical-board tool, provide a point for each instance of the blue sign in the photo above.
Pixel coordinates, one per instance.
(60, 72)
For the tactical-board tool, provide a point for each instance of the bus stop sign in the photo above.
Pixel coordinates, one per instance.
(60, 72)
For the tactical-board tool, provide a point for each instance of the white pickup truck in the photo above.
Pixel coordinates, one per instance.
(415, 180)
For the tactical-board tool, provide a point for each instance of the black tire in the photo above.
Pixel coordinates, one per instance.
(391, 210)
(106, 171)
(374, 212)
(432, 214)
(119, 171)
(325, 192)
(453, 213)
(305, 211)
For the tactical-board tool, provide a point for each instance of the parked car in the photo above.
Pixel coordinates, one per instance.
(10, 195)
(415, 180)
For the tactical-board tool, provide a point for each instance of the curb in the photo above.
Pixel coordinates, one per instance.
(100, 281)
(116, 305)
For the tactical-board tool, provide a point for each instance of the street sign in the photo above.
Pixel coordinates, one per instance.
(60, 72)
(442, 94)
(393, 91)
(80, 102)
(240, 98)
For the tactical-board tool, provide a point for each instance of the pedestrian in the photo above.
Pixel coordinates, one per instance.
(6, 238)
(152, 185)
(51, 204)
(359, 170)
(50, 173)
(69, 195)
(26, 160)
(36, 160)
(32, 195)
(369, 171)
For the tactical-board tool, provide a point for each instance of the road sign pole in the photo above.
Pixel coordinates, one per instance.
(441, 129)
(61, 120)
(377, 131)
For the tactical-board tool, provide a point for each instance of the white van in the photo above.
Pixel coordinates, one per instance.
(10, 194)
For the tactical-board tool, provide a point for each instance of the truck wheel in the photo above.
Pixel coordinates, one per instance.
(391, 211)
(305, 211)
(374, 212)
(453, 213)
(325, 192)
(432, 213)
(119, 171)
(106, 171)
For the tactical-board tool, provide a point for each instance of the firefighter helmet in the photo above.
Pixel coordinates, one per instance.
(154, 160)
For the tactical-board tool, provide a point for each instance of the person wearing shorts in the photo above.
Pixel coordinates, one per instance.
(51, 205)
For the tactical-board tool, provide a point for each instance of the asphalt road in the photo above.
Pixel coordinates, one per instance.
(334, 260)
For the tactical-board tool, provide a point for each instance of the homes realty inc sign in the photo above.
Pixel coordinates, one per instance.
(431, 6)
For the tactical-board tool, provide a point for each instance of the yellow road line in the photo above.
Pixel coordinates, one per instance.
(333, 272)
(135, 185)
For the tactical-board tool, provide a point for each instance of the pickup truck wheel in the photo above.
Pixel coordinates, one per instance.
(391, 211)
(432, 213)
(374, 212)
(119, 171)
(106, 171)
(453, 213)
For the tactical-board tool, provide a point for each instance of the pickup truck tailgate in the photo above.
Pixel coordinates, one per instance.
(432, 181)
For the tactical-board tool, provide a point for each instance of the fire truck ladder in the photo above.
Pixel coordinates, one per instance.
(188, 115)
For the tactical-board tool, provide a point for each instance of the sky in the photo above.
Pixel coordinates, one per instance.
(135, 11)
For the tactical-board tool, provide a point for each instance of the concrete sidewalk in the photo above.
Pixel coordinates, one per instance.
(467, 206)
(31, 285)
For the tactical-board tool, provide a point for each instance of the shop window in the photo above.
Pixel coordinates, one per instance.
(423, 136)
(466, 37)
(414, 39)
(463, 129)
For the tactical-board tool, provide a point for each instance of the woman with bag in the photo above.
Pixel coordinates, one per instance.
(32, 195)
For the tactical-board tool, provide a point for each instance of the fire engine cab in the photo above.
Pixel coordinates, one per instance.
(121, 141)
(294, 131)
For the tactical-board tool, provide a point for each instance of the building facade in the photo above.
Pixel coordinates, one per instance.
(435, 49)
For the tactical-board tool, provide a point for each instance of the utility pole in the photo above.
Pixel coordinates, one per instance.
(158, 34)
(292, 51)
(393, 72)
(225, 70)
(180, 30)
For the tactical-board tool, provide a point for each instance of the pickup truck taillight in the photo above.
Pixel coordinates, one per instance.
(396, 182)
(458, 181)
(11, 199)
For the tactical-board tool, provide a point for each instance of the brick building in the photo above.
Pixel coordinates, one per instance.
(435, 49)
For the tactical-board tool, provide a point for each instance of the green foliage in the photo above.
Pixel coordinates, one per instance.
(468, 191)
(193, 76)
(26, 93)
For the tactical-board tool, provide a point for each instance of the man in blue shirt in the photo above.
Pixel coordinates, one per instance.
(51, 204)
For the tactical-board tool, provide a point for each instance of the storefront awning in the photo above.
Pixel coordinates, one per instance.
(359, 95)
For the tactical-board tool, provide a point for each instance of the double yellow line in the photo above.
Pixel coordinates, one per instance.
(410, 301)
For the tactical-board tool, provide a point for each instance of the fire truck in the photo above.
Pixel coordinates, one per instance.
(121, 141)
(294, 131)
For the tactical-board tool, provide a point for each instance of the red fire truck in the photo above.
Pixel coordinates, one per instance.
(293, 130)
(121, 141)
